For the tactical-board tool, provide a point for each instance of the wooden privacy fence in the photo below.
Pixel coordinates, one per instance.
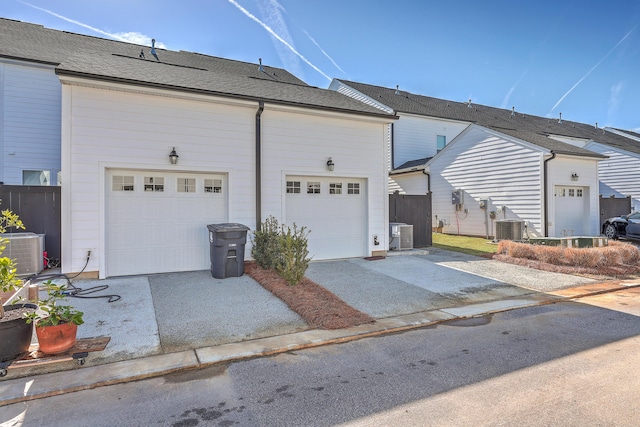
(414, 210)
(39, 210)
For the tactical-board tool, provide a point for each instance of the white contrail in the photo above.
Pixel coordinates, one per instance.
(130, 37)
(593, 68)
(280, 39)
(279, 6)
(324, 53)
(272, 15)
(505, 101)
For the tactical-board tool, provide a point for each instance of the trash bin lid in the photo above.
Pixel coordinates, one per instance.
(227, 227)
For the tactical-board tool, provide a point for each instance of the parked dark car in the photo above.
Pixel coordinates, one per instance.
(622, 226)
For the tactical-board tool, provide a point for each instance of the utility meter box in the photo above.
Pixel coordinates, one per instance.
(457, 197)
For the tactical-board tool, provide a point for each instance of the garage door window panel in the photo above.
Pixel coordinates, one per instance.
(313, 187)
(122, 183)
(293, 187)
(335, 188)
(353, 188)
(154, 183)
(212, 185)
(186, 185)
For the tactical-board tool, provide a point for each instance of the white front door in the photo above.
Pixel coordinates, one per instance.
(333, 209)
(571, 211)
(156, 221)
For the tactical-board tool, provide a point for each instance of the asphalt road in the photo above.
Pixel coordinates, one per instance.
(571, 363)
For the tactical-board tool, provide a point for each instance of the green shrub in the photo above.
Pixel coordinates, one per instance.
(266, 242)
(294, 255)
(282, 249)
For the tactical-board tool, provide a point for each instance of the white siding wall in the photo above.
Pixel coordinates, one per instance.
(619, 174)
(117, 129)
(103, 129)
(559, 172)
(487, 166)
(300, 144)
(410, 183)
(415, 137)
(29, 120)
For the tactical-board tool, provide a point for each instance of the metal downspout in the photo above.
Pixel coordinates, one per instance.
(393, 166)
(546, 196)
(259, 166)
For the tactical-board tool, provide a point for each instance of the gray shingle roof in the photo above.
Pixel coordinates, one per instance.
(534, 129)
(97, 58)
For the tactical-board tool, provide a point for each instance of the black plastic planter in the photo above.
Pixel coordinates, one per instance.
(15, 334)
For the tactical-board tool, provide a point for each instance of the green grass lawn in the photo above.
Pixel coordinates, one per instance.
(468, 245)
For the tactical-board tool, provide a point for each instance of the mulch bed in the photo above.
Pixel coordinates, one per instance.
(320, 308)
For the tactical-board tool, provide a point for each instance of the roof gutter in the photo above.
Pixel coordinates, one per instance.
(546, 195)
(259, 165)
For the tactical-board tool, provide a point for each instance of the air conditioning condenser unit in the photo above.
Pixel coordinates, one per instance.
(401, 236)
(25, 249)
(509, 229)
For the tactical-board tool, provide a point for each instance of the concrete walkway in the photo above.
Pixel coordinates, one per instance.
(176, 321)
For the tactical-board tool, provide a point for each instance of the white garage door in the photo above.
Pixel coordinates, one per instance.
(157, 221)
(334, 209)
(572, 211)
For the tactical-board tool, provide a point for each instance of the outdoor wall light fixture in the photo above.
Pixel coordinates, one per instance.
(574, 176)
(173, 156)
(330, 164)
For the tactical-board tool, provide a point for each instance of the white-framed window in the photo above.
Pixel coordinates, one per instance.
(186, 185)
(353, 188)
(293, 187)
(579, 192)
(572, 192)
(313, 187)
(441, 141)
(37, 177)
(335, 188)
(212, 185)
(154, 183)
(122, 183)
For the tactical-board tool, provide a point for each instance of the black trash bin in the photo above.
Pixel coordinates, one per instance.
(226, 244)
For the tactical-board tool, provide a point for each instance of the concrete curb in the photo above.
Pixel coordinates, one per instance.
(52, 384)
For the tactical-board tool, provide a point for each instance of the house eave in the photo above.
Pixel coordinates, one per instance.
(191, 90)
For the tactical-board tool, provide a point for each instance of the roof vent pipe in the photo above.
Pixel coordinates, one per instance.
(469, 103)
(397, 89)
(260, 68)
(560, 119)
(596, 125)
(513, 111)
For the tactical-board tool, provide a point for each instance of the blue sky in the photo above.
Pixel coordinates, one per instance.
(578, 58)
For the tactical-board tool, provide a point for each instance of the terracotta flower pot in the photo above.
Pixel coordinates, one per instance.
(56, 339)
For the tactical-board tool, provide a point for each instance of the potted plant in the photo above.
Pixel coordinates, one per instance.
(56, 323)
(15, 333)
